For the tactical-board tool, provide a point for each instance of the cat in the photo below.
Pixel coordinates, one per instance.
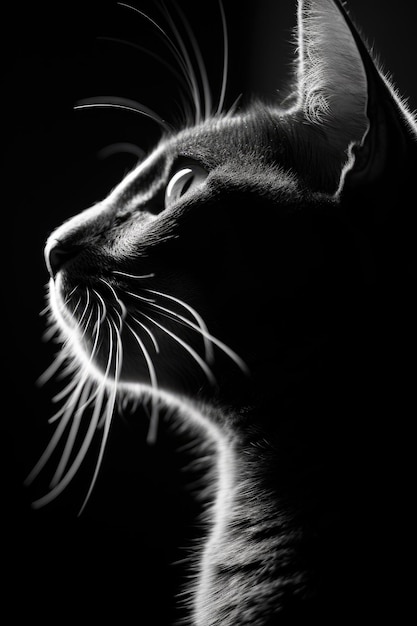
(250, 280)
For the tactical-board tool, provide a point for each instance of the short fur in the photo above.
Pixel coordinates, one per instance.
(256, 307)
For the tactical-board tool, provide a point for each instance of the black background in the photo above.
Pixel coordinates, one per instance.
(115, 560)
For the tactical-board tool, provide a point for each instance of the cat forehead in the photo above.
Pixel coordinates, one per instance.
(257, 133)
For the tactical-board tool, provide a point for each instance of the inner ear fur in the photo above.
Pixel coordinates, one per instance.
(331, 80)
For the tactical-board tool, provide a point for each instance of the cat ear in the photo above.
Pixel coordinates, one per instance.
(331, 80)
(340, 89)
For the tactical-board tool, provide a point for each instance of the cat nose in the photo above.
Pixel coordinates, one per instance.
(56, 255)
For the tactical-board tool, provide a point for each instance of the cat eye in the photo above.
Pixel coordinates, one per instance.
(183, 181)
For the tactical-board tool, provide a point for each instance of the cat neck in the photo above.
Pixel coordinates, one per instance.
(276, 502)
(252, 540)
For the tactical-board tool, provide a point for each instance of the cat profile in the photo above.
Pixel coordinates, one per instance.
(251, 278)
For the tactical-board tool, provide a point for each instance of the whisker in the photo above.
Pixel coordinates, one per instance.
(154, 418)
(76, 306)
(149, 363)
(69, 445)
(52, 369)
(231, 111)
(66, 479)
(103, 383)
(119, 357)
(125, 104)
(51, 332)
(133, 275)
(80, 381)
(197, 317)
(116, 297)
(47, 453)
(81, 408)
(189, 71)
(217, 342)
(45, 310)
(65, 391)
(121, 320)
(104, 306)
(96, 331)
(203, 365)
(86, 306)
(180, 54)
(77, 386)
(151, 335)
(73, 399)
(152, 434)
(69, 296)
(87, 323)
(198, 57)
(225, 59)
(230, 353)
(139, 297)
(108, 415)
(202, 329)
(67, 299)
(71, 368)
(147, 17)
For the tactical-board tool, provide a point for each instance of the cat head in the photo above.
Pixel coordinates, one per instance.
(232, 246)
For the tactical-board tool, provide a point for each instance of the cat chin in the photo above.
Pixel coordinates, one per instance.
(115, 362)
(72, 337)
